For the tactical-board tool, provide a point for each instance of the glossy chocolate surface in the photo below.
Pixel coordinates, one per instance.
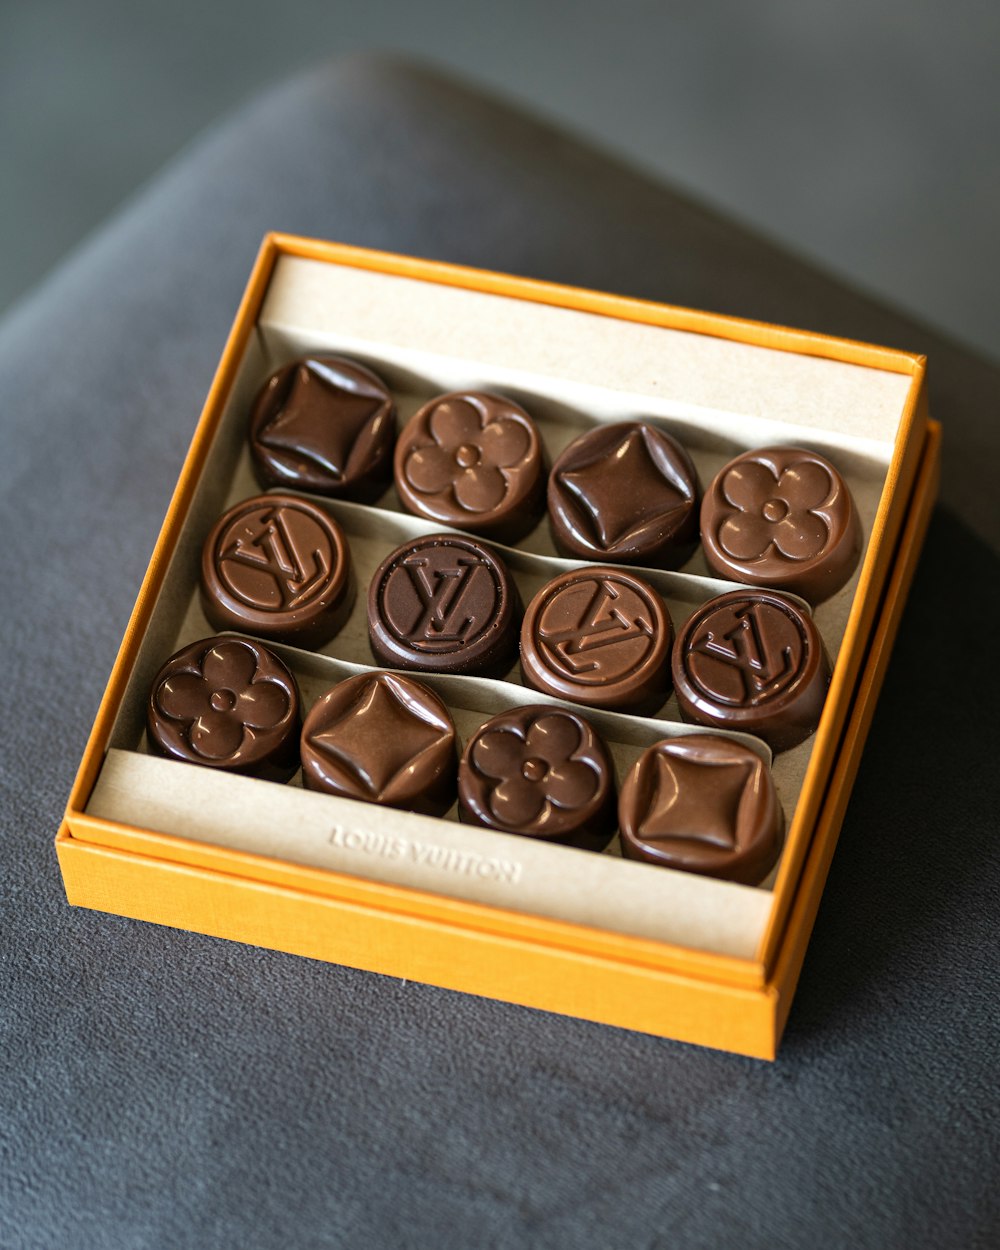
(625, 493)
(542, 772)
(782, 517)
(702, 804)
(444, 604)
(279, 567)
(474, 461)
(752, 661)
(226, 703)
(326, 425)
(382, 738)
(601, 637)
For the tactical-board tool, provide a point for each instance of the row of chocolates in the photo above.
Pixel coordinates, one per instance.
(704, 803)
(622, 493)
(279, 567)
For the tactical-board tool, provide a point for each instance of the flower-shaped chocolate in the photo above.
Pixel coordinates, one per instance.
(467, 455)
(223, 702)
(781, 517)
(539, 771)
(472, 460)
(776, 507)
(535, 769)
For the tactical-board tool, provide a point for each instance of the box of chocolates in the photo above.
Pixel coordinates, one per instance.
(515, 638)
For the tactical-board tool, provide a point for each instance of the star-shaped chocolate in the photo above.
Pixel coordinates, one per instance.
(384, 738)
(702, 804)
(626, 493)
(696, 799)
(376, 736)
(325, 425)
(320, 419)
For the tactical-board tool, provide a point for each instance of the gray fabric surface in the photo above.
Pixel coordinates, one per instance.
(161, 1089)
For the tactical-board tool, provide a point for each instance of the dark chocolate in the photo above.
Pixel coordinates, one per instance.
(782, 517)
(444, 604)
(542, 772)
(702, 804)
(625, 493)
(601, 637)
(279, 567)
(326, 425)
(754, 661)
(383, 738)
(474, 461)
(226, 703)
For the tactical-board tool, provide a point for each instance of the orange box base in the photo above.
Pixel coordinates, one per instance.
(732, 1004)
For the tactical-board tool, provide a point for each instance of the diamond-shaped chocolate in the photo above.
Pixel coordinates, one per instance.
(376, 736)
(324, 425)
(383, 738)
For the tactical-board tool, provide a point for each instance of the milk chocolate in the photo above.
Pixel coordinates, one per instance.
(326, 425)
(782, 517)
(444, 604)
(226, 703)
(474, 461)
(383, 738)
(702, 804)
(752, 660)
(599, 636)
(542, 772)
(625, 493)
(279, 567)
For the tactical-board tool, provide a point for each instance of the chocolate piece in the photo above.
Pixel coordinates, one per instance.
(782, 517)
(599, 636)
(279, 567)
(702, 804)
(625, 493)
(326, 425)
(474, 461)
(226, 703)
(542, 772)
(754, 661)
(444, 604)
(385, 739)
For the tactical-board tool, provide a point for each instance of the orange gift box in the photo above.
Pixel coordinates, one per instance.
(591, 935)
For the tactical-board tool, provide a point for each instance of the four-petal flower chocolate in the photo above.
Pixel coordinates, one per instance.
(474, 461)
(782, 517)
(539, 771)
(228, 703)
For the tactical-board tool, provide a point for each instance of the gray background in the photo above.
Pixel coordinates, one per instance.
(160, 1090)
(863, 135)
